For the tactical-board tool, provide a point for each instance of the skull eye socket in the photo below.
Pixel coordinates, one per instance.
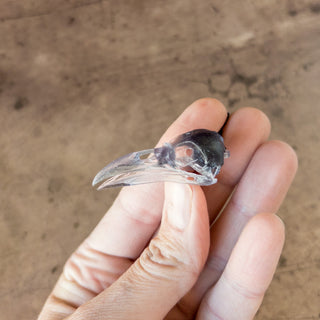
(189, 152)
(184, 152)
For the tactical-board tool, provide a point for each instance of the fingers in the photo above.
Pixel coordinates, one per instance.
(246, 130)
(136, 213)
(125, 230)
(240, 290)
(166, 269)
(261, 189)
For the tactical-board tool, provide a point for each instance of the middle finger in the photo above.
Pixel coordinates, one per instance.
(245, 131)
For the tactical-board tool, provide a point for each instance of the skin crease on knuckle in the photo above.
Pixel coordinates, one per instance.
(165, 259)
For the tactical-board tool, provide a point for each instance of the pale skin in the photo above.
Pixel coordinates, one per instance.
(154, 254)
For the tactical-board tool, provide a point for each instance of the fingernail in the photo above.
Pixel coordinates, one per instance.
(177, 206)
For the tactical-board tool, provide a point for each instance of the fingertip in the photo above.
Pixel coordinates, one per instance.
(269, 226)
(177, 206)
(266, 226)
(186, 222)
(211, 111)
(200, 227)
(250, 268)
(208, 102)
(288, 154)
(257, 252)
(205, 113)
(267, 178)
(245, 131)
(249, 271)
(284, 155)
(258, 116)
(253, 120)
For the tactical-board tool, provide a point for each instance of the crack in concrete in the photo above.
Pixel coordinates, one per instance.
(49, 12)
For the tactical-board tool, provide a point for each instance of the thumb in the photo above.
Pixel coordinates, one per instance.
(167, 269)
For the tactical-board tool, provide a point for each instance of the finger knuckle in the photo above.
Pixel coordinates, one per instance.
(163, 258)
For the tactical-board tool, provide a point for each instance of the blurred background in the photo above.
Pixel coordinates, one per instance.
(85, 81)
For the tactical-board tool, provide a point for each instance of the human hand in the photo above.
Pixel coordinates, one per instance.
(188, 270)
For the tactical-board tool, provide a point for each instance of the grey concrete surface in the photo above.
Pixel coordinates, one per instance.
(85, 81)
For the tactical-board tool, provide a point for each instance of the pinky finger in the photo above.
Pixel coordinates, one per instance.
(239, 292)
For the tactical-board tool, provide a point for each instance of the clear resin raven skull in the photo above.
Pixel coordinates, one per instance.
(194, 157)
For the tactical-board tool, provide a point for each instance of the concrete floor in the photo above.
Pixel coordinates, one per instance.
(85, 81)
